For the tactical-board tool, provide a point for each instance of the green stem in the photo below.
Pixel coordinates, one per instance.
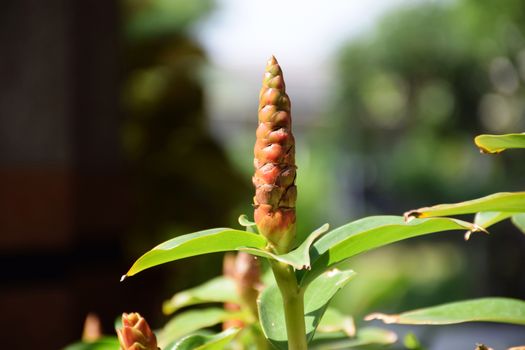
(293, 303)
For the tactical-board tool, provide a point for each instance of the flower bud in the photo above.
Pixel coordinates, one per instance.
(247, 277)
(228, 270)
(274, 162)
(92, 329)
(136, 333)
(244, 269)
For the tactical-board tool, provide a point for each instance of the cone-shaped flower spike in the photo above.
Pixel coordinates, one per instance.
(136, 334)
(274, 179)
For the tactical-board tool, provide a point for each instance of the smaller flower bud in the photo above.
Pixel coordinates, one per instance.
(92, 329)
(136, 333)
(244, 269)
(228, 270)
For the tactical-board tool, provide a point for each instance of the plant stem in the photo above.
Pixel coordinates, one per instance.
(293, 303)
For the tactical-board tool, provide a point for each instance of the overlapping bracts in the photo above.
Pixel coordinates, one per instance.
(275, 170)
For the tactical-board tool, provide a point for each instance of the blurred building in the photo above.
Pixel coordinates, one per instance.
(64, 195)
(92, 171)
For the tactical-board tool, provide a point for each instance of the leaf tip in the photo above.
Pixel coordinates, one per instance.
(411, 215)
(475, 228)
(167, 309)
(478, 228)
(484, 150)
(382, 317)
(244, 221)
(123, 277)
(349, 326)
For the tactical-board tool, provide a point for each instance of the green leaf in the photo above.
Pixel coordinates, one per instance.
(365, 336)
(193, 320)
(205, 342)
(334, 321)
(299, 258)
(519, 221)
(316, 299)
(319, 293)
(499, 143)
(372, 232)
(105, 343)
(217, 290)
(202, 242)
(503, 310)
(488, 218)
(513, 202)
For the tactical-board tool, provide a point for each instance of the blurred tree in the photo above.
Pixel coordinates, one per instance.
(182, 179)
(412, 95)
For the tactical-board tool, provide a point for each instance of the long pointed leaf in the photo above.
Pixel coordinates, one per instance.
(202, 242)
(513, 202)
(373, 232)
(504, 310)
(499, 143)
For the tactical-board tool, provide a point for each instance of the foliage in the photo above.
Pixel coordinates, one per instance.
(504, 310)
(313, 262)
(316, 299)
(205, 342)
(289, 308)
(202, 242)
(420, 85)
(163, 130)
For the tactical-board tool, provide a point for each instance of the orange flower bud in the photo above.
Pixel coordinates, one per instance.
(245, 271)
(136, 333)
(92, 329)
(274, 151)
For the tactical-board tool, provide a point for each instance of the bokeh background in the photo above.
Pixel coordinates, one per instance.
(124, 123)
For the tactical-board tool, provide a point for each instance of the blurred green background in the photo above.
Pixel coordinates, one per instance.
(130, 122)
